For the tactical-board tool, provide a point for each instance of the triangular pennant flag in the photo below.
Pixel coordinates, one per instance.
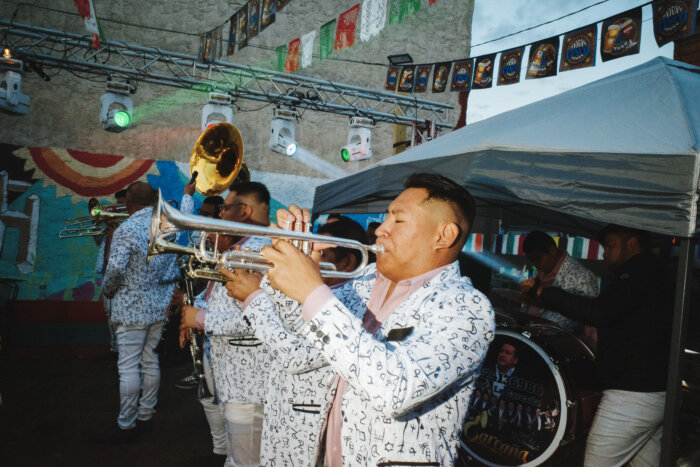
(673, 19)
(292, 63)
(233, 28)
(86, 10)
(373, 18)
(345, 32)
(327, 39)
(307, 48)
(281, 57)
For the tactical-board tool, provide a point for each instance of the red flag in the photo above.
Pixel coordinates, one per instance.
(292, 62)
(345, 33)
(86, 10)
(431, 2)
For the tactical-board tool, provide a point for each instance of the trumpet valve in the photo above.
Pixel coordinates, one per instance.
(306, 245)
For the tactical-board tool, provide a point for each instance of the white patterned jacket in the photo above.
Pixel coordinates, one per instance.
(140, 290)
(239, 361)
(410, 383)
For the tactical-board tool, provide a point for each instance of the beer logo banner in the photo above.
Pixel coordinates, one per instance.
(511, 61)
(673, 19)
(242, 15)
(392, 77)
(267, 13)
(253, 18)
(441, 73)
(232, 29)
(422, 75)
(578, 48)
(620, 35)
(461, 75)
(483, 71)
(408, 74)
(543, 58)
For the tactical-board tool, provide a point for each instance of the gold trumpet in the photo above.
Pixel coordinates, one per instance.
(101, 215)
(167, 221)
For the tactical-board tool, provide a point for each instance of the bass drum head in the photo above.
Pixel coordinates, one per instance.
(515, 414)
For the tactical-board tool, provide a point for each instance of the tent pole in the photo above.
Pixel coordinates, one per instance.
(673, 386)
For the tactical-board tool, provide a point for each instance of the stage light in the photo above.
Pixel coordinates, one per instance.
(117, 107)
(400, 59)
(282, 132)
(359, 145)
(218, 110)
(12, 100)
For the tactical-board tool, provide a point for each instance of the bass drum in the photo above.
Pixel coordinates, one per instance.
(534, 400)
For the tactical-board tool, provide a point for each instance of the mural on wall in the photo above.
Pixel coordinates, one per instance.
(41, 187)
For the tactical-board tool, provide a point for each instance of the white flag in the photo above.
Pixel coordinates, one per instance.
(307, 48)
(372, 18)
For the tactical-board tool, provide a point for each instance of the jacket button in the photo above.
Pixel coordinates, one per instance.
(325, 340)
(313, 328)
(319, 334)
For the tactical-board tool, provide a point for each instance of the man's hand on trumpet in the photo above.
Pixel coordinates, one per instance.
(187, 320)
(241, 284)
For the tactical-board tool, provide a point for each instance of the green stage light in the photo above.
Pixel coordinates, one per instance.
(345, 154)
(122, 119)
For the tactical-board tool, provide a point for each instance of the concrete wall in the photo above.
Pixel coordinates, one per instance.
(64, 112)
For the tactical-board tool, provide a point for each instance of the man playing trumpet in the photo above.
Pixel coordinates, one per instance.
(406, 337)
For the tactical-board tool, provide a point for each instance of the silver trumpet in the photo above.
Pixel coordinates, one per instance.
(167, 221)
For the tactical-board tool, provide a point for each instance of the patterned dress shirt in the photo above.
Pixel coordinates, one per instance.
(140, 290)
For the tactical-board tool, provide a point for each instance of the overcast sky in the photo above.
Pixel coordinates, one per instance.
(497, 18)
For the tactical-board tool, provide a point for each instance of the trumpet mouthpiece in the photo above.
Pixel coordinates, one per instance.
(377, 249)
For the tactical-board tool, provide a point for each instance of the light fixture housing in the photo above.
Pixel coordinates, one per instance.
(359, 145)
(12, 100)
(282, 131)
(400, 59)
(117, 107)
(217, 110)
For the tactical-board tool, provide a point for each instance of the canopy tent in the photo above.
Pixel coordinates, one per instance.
(623, 149)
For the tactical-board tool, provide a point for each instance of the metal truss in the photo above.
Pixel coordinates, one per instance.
(47, 48)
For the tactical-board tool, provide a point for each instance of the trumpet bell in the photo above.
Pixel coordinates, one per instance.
(218, 158)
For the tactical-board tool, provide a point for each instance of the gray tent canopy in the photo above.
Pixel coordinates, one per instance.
(623, 149)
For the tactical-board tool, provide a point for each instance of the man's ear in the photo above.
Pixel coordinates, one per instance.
(246, 213)
(348, 263)
(449, 234)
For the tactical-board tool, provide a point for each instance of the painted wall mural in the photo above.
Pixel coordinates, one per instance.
(40, 187)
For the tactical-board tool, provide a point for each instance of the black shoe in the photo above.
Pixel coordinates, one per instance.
(144, 426)
(188, 382)
(115, 435)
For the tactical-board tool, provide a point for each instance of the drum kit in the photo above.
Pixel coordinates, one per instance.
(535, 397)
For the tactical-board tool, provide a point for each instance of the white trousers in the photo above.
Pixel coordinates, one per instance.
(244, 428)
(627, 428)
(139, 373)
(214, 413)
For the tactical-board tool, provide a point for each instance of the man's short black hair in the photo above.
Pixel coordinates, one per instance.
(444, 189)
(120, 194)
(643, 237)
(538, 241)
(336, 216)
(345, 228)
(260, 192)
(215, 200)
(374, 225)
(141, 194)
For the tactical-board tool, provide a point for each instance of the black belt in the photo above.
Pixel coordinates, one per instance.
(246, 341)
(307, 408)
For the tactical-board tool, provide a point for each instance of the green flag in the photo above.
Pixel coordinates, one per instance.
(400, 9)
(327, 39)
(395, 11)
(410, 7)
(281, 56)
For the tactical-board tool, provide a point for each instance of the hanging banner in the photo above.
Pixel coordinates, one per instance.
(461, 75)
(327, 39)
(620, 35)
(543, 58)
(282, 3)
(242, 26)
(373, 18)
(511, 63)
(292, 63)
(392, 77)
(673, 19)
(408, 75)
(307, 48)
(206, 46)
(483, 71)
(281, 57)
(345, 32)
(441, 73)
(422, 75)
(253, 18)
(232, 29)
(267, 13)
(218, 43)
(578, 48)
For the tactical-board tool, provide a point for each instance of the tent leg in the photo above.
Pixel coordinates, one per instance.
(673, 386)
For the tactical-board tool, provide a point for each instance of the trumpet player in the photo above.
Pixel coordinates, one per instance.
(140, 293)
(300, 373)
(406, 337)
(240, 363)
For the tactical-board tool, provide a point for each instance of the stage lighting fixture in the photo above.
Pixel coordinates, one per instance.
(12, 101)
(117, 107)
(282, 132)
(218, 110)
(359, 145)
(400, 59)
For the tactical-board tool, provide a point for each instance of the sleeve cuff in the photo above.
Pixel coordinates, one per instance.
(315, 301)
(199, 319)
(251, 297)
